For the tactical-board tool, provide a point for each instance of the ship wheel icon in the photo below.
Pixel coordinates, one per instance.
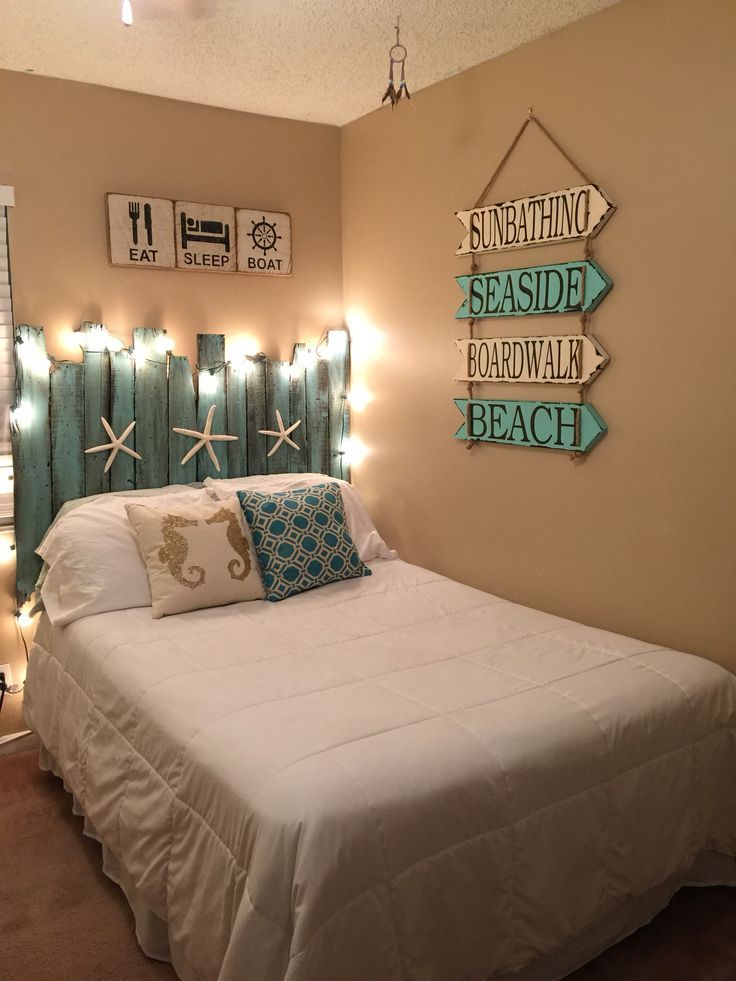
(264, 235)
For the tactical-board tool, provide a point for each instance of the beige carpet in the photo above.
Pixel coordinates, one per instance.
(61, 919)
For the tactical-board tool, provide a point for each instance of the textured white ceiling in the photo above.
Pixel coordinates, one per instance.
(319, 60)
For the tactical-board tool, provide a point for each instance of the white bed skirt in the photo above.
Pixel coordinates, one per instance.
(152, 933)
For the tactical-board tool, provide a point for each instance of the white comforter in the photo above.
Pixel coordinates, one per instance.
(389, 778)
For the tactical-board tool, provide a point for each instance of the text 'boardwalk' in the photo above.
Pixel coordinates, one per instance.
(567, 359)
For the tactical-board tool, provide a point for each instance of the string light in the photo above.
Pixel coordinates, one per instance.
(242, 367)
(337, 342)
(207, 382)
(139, 356)
(22, 415)
(359, 397)
(24, 617)
(353, 451)
(365, 339)
(164, 343)
(70, 339)
(33, 358)
(126, 13)
(241, 351)
(95, 339)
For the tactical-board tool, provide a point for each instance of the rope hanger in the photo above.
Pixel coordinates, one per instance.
(587, 253)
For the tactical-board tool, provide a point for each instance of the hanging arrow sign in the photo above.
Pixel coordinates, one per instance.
(556, 425)
(568, 359)
(566, 287)
(557, 216)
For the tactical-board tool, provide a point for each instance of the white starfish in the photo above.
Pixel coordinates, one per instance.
(205, 439)
(281, 433)
(115, 444)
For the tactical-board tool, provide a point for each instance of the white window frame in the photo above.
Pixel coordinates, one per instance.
(7, 373)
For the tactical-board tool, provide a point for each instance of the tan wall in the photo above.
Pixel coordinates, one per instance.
(65, 145)
(641, 537)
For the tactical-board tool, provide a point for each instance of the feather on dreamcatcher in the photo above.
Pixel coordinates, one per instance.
(396, 57)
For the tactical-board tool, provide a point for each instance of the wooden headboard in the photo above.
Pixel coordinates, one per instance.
(59, 404)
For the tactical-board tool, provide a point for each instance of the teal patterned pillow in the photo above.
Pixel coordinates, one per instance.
(302, 539)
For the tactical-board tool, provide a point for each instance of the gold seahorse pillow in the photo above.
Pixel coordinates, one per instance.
(196, 556)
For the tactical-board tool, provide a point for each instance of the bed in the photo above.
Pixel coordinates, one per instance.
(394, 777)
(389, 778)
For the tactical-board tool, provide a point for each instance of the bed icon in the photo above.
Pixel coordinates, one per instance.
(199, 230)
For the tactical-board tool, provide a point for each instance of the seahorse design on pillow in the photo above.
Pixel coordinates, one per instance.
(237, 540)
(175, 549)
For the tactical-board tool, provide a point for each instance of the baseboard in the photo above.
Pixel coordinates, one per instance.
(18, 742)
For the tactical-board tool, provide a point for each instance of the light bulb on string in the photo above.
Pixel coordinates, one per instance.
(359, 397)
(127, 13)
(24, 617)
(34, 358)
(353, 451)
(207, 382)
(22, 415)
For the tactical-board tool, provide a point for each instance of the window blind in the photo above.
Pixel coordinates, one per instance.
(7, 375)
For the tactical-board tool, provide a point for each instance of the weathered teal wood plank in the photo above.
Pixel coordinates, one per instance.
(211, 381)
(182, 414)
(152, 408)
(237, 420)
(67, 433)
(256, 395)
(122, 410)
(339, 408)
(318, 407)
(570, 426)
(298, 460)
(31, 443)
(277, 385)
(96, 407)
(563, 287)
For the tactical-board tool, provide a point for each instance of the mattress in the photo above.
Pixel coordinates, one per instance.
(395, 777)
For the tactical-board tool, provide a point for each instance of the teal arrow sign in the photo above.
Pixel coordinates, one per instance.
(556, 425)
(564, 287)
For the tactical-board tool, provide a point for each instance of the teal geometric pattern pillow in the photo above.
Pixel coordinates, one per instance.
(302, 539)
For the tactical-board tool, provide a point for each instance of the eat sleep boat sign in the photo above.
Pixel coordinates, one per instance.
(555, 216)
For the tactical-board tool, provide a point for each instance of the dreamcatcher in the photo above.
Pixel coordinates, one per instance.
(396, 57)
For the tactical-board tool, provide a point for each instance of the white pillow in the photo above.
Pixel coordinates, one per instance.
(369, 543)
(93, 560)
(197, 556)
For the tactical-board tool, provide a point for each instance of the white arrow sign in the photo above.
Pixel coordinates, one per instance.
(557, 216)
(567, 360)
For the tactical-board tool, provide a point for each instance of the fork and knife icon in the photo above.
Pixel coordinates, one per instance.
(134, 212)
